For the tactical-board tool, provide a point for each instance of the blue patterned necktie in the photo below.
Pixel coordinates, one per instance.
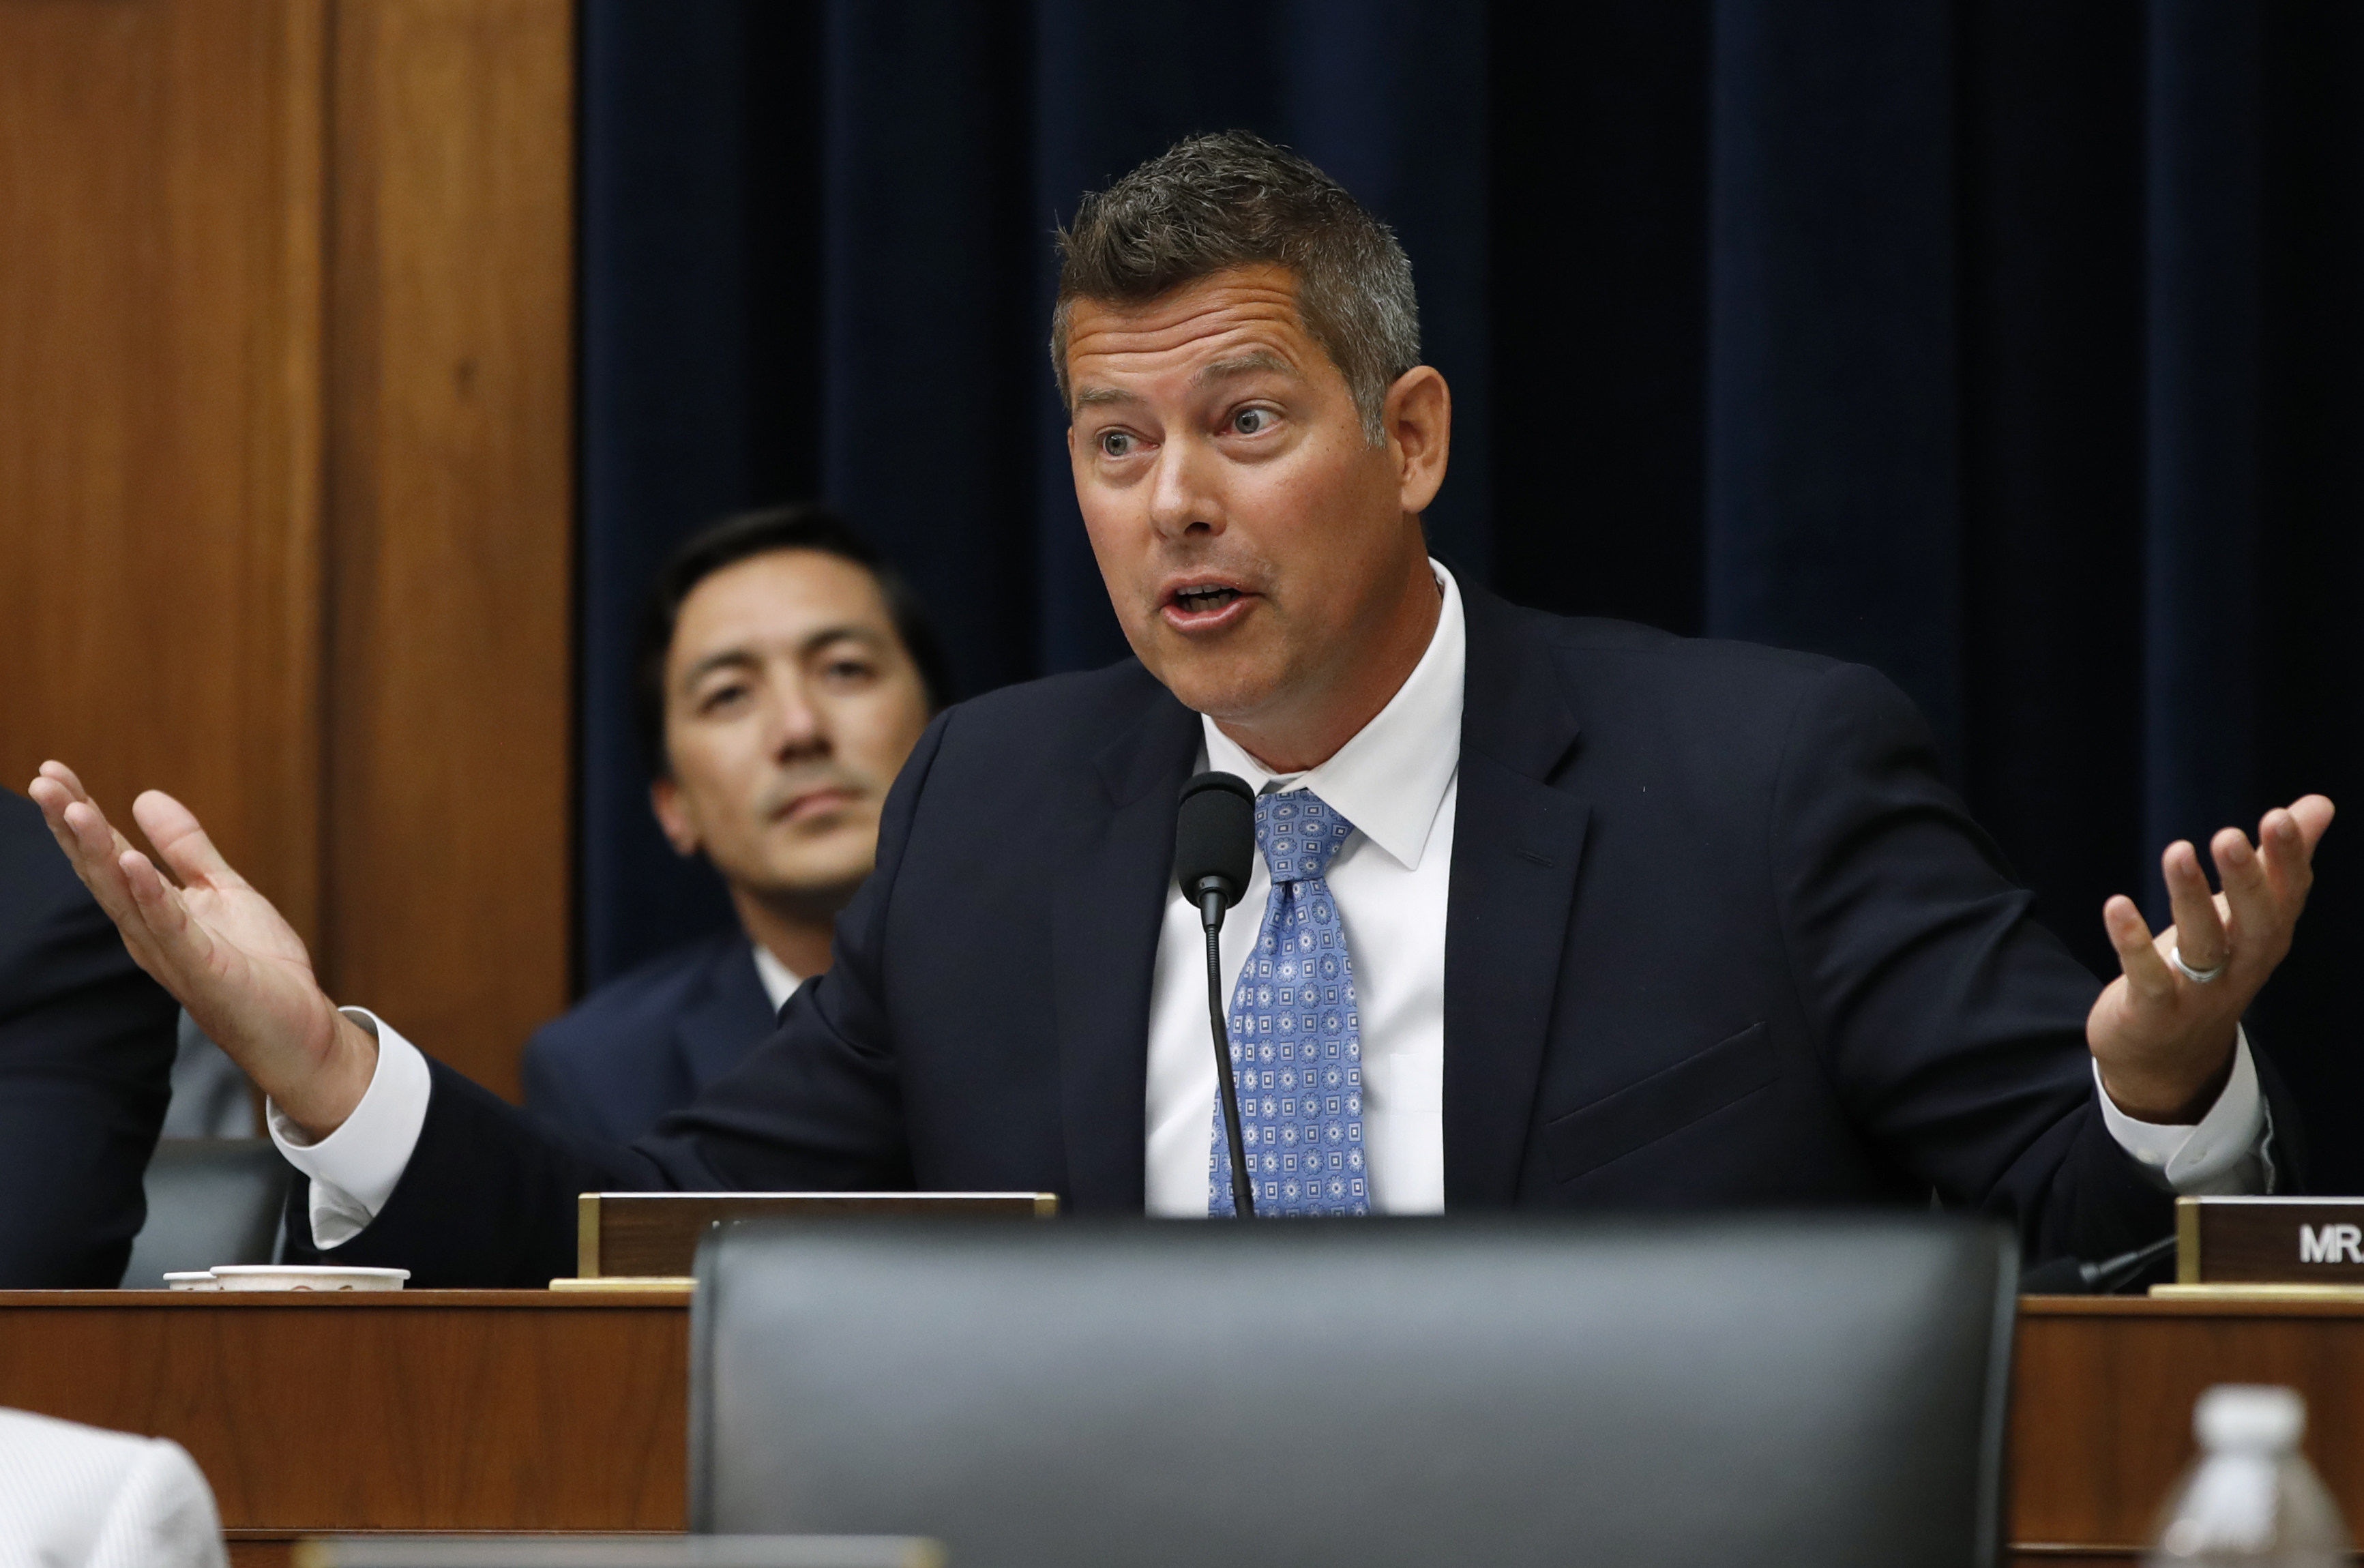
(1296, 1040)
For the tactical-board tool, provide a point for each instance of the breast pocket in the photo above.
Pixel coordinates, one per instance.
(1664, 1103)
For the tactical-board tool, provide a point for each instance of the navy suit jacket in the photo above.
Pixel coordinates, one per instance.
(1718, 936)
(87, 1047)
(647, 1041)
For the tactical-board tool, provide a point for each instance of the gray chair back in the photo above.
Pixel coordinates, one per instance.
(1827, 1392)
(210, 1200)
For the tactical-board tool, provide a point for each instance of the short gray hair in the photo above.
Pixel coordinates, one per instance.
(1233, 199)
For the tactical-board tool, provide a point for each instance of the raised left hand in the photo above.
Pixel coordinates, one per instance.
(2165, 1041)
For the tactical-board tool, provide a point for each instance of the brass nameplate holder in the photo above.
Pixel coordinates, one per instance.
(639, 1235)
(2282, 1248)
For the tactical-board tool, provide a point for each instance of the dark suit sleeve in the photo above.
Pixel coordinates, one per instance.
(1951, 1023)
(489, 1197)
(87, 1044)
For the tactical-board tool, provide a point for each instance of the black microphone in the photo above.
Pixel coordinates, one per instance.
(1214, 850)
(2074, 1276)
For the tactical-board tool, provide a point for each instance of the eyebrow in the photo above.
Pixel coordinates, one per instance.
(1243, 364)
(1238, 364)
(809, 646)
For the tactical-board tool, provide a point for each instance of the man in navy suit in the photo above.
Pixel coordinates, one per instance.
(648, 1042)
(86, 1045)
(1596, 917)
(783, 674)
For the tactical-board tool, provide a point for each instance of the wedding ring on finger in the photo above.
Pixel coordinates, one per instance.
(2197, 976)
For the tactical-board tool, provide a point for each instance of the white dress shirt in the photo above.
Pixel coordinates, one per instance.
(1398, 782)
(779, 981)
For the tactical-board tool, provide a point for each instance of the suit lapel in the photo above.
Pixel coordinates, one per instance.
(1516, 844)
(731, 1013)
(1107, 902)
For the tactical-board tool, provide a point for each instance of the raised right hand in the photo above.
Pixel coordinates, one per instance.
(218, 946)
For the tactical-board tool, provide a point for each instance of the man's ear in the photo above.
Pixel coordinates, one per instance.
(1417, 417)
(673, 815)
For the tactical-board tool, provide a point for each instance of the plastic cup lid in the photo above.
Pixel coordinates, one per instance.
(306, 1276)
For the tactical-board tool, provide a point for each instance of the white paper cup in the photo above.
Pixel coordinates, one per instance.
(306, 1276)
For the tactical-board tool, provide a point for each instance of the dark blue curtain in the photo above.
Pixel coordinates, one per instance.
(2014, 348)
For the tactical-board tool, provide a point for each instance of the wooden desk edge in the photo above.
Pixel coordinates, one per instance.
(568, 1301)
(291, 1533)
(618, 1295)
(2245, 1306)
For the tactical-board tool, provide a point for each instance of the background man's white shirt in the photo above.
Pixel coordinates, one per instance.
(1398, 780)
(779, 981)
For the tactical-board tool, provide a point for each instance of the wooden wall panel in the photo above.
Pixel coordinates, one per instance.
(450, 420)
(160, 412)
(286, 429)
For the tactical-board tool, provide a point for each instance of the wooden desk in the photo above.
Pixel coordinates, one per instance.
(2102, 1409)
(420, 1409)
(529, 1410)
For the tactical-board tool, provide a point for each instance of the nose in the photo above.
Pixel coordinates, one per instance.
(1180, 501)
(798, 727)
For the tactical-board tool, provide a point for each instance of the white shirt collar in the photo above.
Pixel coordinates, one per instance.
(1389, 779)
(780, 982)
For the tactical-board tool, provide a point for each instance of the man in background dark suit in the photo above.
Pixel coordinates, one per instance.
(783, 673)
(650, 1041)
(1595, 917)
(86, 1045)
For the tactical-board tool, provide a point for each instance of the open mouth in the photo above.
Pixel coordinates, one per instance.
(1203, 601)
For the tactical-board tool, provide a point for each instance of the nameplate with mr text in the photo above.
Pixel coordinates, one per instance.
(2270, 1240)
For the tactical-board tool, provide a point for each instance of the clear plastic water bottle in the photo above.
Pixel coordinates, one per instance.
(2251, 1499)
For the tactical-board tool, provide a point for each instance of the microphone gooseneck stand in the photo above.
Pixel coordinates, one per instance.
(1210, 914)
(1214, 850)
(2075, 1277)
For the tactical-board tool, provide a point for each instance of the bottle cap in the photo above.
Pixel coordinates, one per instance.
(2249, 1416)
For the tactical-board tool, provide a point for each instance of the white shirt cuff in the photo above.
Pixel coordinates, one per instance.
(2223, 1153)
(355, 1169)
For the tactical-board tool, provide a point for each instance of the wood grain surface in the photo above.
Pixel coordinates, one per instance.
(408, 1411)
(160, 413)
(2103, 1396)
(285, 460)
(450, 483)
